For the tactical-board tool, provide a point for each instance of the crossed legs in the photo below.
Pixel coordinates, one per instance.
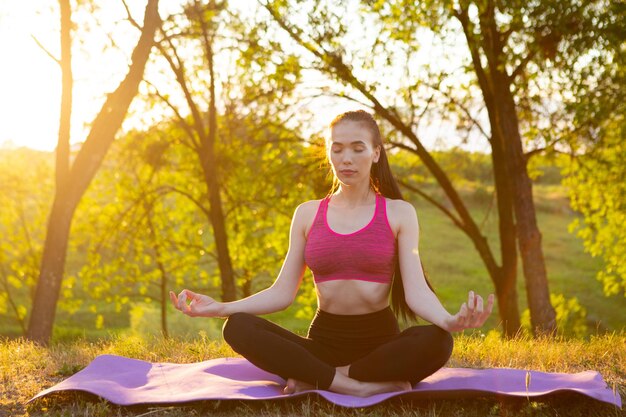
(406, 359)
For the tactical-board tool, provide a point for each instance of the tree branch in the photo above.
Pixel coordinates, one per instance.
(435, 203)
(193, 144)
(522, 65)
(43, 48)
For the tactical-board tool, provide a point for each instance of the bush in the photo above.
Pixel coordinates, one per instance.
(571, 317)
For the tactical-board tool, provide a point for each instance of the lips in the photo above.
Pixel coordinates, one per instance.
(347, 171)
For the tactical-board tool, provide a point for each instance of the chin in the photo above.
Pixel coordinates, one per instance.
(350, 181)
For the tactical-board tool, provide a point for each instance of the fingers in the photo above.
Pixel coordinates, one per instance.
(479, 305)
(473, 313)
(173, 299)
(180, 301)
(485, 312)
(190, 294)
(490, 302)
(463, 315)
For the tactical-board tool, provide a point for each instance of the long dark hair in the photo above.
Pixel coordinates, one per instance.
(383, 182)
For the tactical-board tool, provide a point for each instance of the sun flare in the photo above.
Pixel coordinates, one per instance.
(29, 81)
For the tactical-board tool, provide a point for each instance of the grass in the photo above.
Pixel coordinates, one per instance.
(26, 369)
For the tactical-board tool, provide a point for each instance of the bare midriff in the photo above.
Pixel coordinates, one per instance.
(352, 296)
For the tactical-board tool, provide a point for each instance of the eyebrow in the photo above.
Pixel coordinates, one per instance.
(356, 142)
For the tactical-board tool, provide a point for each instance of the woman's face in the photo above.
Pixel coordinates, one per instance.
(351, 152)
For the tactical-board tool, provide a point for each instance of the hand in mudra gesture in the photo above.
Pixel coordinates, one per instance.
(200, 305)
(472, 313)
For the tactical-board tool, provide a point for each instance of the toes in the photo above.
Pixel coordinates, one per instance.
(290, 387)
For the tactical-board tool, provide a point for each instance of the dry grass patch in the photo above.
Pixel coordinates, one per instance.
(26, 369)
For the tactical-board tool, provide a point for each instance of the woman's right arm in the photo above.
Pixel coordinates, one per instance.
(275, 298)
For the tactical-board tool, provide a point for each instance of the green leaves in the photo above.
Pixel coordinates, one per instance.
(597, 190)
(26, 181)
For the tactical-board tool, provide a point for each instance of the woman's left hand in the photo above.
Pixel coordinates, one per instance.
(472, 314)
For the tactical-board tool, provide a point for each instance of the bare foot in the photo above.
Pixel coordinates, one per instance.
(387, 386)
(345, 385)
(343, 369)
(293, 386)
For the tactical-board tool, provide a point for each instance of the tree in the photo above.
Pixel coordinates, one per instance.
(142, 237)
(514, 50)
(26, 180)
(219, 37)
(71, 187)
(151, 195)
(597, 190)
(595, 170)
(323, 41)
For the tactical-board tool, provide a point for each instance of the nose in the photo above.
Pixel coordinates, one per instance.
(346, 158)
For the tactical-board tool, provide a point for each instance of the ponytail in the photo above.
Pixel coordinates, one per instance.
(383, 182)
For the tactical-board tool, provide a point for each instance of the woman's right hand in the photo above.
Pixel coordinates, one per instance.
(200, 305)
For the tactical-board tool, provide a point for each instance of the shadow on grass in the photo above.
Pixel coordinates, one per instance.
(559, 404)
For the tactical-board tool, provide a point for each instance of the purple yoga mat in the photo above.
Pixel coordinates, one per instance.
(126, 381)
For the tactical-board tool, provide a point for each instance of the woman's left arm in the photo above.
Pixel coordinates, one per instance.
(420, 299)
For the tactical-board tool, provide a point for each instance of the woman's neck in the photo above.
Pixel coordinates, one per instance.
(354, 196)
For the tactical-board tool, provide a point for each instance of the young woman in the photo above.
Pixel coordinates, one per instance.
(361, 244)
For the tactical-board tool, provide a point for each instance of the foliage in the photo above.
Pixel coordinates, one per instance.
(571, 317)
(594, 175)
(597, 190)
(140, 233)
(152, 183)
(26, 181)
(153, 204)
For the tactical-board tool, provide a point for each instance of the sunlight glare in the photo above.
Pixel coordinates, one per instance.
(29, 79)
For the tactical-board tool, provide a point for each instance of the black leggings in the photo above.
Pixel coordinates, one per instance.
(371, 344)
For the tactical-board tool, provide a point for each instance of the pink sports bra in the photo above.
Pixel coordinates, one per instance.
(369, 254)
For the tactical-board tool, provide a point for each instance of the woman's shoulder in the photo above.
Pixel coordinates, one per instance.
(305, 214)
(309, 205)
(399, 207)
(307, 210)
(400, 214)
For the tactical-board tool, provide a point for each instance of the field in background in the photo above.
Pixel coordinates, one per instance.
(451, 262)
(454, 266)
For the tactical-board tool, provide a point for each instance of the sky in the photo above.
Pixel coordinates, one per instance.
(30, 79)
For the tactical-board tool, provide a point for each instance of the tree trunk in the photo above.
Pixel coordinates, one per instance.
(507, 147)
(205, 147)
(221, 238)
(158, 258)
(51, 272)
(71, 190)
(505, 282)
(542, 314)
(246, 285)
(67, 83)
(506, 278)
(496, 84)
(164, 301)
(61, 214)
(211, 177)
